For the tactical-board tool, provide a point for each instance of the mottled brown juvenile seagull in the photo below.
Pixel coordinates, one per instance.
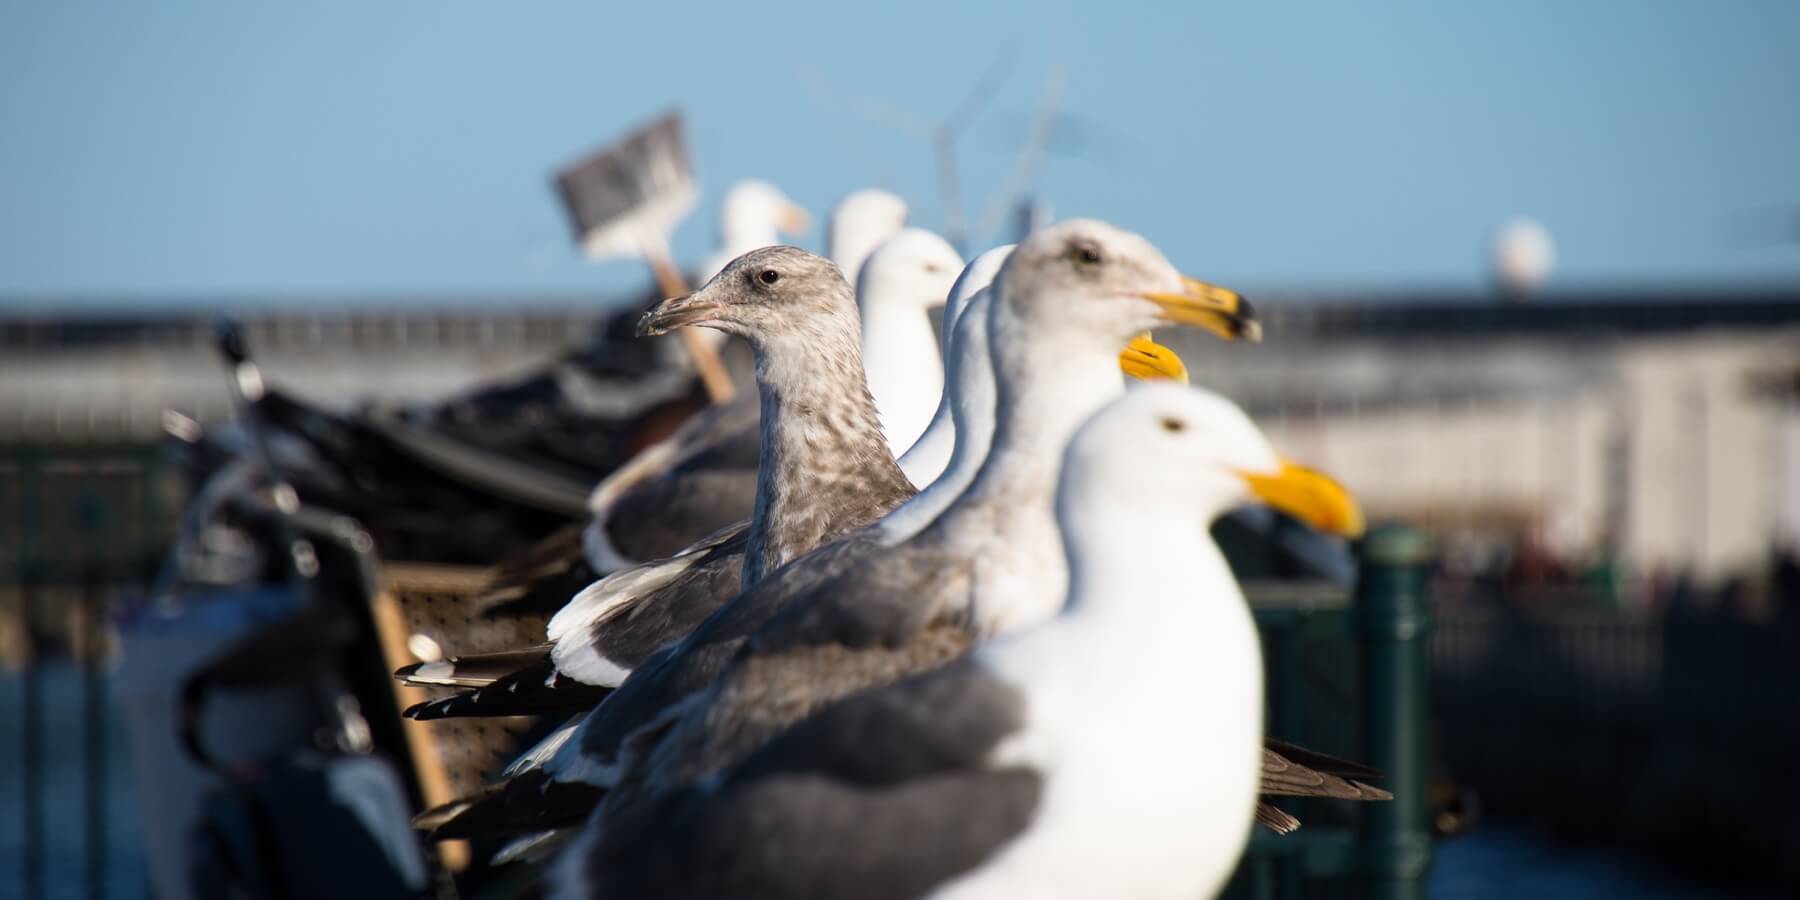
(825, 468)
(611, 625)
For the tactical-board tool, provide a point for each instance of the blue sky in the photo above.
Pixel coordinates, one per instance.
(201, 152)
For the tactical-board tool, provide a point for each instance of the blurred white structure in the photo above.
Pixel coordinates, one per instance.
(1523, 257)
(1605, 427)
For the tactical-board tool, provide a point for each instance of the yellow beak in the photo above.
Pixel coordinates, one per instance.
(795, 221)
(1147, 360)
(1209, 308)
(1312, 497)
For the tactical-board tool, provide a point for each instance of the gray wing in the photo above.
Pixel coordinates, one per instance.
(516, 683)
(804, 837)
(1293, 771)
(692, 664)
(944, 720)
(674, 610)
(858, 629)
(708, 483)
(667, 514)
(882, 795)
(1290, 770)
(550, 557)
(886, 600)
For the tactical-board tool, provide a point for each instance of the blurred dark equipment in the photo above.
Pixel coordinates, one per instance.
(338, 790)
(278, 631)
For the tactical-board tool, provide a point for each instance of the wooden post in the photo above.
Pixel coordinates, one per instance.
(434, 781)
(713, 374)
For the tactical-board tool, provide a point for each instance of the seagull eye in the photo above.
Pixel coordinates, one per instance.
(1173, 425)
(769, 276)
(933, 269)
(1086, 254)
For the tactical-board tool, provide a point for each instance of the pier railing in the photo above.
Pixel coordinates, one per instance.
(78, 540)
(1667, 734)
(1347, 674)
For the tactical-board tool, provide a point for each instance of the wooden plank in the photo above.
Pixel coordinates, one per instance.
(434, 781)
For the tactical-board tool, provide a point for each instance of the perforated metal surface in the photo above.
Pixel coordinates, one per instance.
(438, 602)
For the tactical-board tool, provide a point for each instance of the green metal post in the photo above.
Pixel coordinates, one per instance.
(1394, 620)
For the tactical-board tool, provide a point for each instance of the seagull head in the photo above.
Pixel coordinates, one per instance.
(767, 294)
(1083, 281)
(914, 269)
(859, 223)
(755, 208)
(1182, 451)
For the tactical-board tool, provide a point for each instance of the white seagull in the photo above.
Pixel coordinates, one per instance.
(1113, 751)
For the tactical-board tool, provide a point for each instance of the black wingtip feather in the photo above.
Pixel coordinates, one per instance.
(529, 697)
(528, 803)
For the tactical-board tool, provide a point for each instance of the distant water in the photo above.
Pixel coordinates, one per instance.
(1503, 864)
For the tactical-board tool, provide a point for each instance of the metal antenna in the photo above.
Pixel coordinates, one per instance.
(942, 133)
(1030, 157)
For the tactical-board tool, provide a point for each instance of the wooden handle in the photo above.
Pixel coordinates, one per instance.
(713, 374)
(434, 781)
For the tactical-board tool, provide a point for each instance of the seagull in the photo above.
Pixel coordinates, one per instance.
(824, 469)
(861, 222)
(586, 645)
(1114, 750)
(897, 335)
(677, 493)
(702, 477)
(949, 430)
(719, 441)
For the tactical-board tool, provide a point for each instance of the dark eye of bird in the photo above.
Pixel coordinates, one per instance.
(769, 276)
(1173, 425)
(1086, 254)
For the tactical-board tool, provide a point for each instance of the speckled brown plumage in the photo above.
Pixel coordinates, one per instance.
(825, 468)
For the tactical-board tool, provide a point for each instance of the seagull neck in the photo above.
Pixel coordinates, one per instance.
(900, 355)
(825, 468)
(957, 441)
(1042, 398)
(926, 461)
(1152, 582)
(1124, 562)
